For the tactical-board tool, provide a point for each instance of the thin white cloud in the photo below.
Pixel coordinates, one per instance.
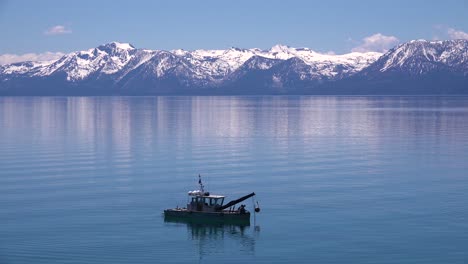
(57, 30)
(46, 56)
(377, 42)
(442, 32)
(456, 34)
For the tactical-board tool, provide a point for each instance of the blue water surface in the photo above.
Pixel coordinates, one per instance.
(338, 179)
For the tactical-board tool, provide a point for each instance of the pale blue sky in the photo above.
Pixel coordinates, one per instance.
(337, 26)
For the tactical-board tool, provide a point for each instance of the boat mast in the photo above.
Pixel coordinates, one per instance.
(201, 184)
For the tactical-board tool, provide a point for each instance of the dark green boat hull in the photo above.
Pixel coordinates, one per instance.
(174, 215)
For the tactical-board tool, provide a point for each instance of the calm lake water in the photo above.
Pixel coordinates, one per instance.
(339, 179)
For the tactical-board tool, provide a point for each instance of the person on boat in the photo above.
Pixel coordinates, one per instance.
(242, 209)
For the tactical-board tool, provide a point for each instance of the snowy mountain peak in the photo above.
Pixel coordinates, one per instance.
(237, 49)
(418, 40)
(179, 52)
(422, 57)
(280, 48)
(114, 46)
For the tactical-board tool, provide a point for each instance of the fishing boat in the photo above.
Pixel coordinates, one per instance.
(204, 207)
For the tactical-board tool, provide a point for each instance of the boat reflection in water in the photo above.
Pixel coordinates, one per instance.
(215, 238)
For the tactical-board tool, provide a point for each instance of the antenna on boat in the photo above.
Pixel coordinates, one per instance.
(201, 184)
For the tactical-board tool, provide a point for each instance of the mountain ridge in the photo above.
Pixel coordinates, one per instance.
(120, 68)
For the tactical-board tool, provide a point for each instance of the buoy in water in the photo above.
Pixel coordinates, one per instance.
(257, 208)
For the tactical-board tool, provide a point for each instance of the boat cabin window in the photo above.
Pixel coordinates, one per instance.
(209, 201)
(216, 201)
(198, 200)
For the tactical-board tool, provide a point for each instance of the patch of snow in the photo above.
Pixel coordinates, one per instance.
(124, 46)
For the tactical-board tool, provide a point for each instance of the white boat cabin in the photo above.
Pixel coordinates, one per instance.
(204, 202)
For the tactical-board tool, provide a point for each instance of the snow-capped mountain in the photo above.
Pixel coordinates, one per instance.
(204, 65)
(120, 68)
(421, 57)
(415, 67)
